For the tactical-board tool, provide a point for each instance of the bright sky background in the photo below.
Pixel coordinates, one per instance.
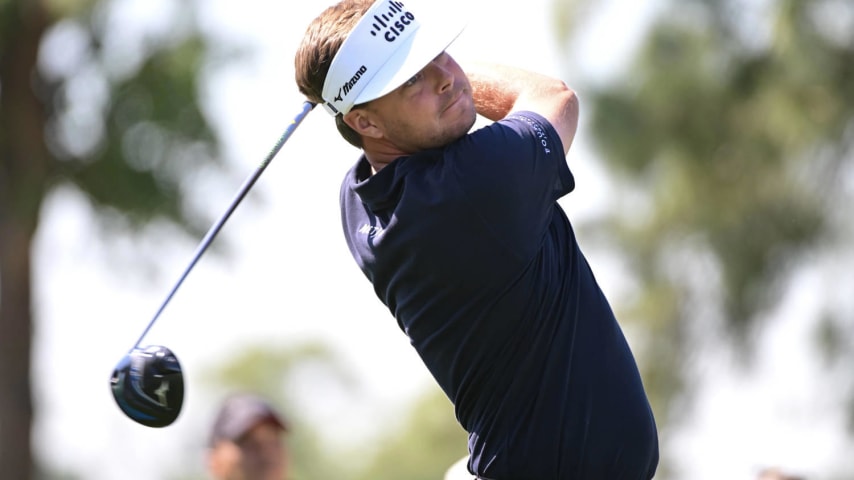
(289, 277)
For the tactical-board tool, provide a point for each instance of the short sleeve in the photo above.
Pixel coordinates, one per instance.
(513, 172)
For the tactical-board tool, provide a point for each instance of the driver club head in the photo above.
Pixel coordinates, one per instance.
(148, 386)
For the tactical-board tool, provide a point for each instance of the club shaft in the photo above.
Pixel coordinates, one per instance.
(214, 230)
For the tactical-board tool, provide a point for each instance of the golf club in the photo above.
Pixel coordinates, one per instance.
(148, 383)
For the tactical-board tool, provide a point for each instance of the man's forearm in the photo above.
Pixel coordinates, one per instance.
(493, 91)
(499, 90)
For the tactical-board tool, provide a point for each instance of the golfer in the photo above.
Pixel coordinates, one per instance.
(462, 237)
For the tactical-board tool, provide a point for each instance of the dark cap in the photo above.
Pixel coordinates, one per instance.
(239, 413)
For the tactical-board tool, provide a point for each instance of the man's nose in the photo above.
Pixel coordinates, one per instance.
(444, 77)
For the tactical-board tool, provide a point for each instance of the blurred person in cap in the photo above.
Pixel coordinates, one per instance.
(460, 232)
(247, 441)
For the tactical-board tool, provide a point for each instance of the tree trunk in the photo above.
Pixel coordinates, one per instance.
(16, 409)
(24, 176)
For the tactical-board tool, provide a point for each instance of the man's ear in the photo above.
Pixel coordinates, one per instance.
(361, 121)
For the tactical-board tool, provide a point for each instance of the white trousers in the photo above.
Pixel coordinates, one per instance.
(459, 470)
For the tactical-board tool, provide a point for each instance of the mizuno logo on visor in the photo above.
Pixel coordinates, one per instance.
(345, 89)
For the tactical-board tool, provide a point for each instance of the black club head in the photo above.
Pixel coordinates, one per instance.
(148, 386)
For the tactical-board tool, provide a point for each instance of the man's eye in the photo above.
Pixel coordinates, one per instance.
(412, 81)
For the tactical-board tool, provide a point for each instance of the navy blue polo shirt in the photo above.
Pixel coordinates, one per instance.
(470, 251)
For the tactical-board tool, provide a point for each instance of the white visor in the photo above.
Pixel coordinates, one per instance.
(388, 46)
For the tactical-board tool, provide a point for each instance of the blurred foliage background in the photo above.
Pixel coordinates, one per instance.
(727, 143)
(730, 143)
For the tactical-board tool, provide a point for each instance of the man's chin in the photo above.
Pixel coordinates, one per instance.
(468, 123)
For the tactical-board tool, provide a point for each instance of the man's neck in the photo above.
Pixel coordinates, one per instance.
(379, 154)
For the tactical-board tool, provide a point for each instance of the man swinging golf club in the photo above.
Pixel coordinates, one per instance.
(462, 237)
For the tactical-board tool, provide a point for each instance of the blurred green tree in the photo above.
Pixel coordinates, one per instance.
(87, 104)
(422, 445)
(729, 143)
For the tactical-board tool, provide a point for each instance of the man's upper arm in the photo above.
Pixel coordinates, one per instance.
(558, 105)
